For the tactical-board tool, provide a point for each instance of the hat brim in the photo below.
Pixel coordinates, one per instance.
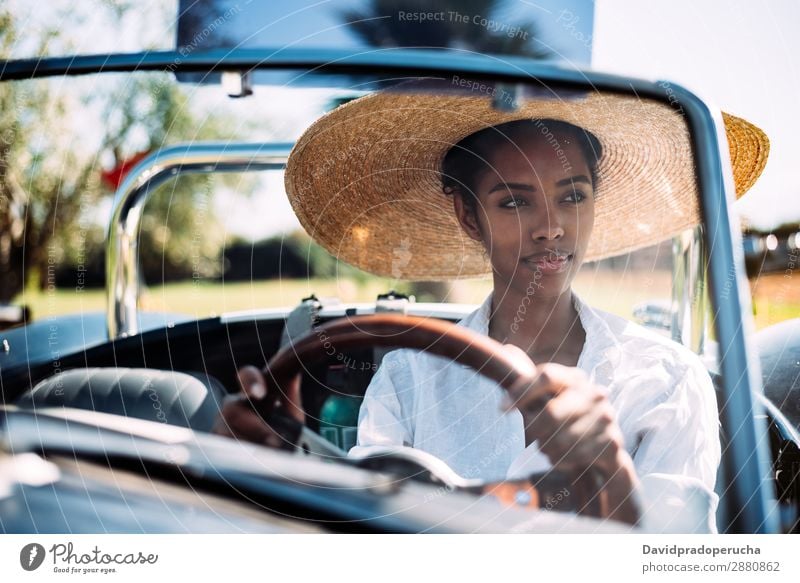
(364, 180)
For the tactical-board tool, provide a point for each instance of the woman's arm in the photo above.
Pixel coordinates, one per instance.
(671, 470)
(575, 427)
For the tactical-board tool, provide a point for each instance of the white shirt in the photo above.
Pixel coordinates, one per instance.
(661, 392)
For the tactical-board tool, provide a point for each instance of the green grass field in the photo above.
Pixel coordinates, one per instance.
(775, 298)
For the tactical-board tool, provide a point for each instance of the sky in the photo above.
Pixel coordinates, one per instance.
(741, 55)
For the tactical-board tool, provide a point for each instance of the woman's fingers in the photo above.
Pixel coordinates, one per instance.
(571, 419)
(550, 380)
(520, 358)
(292, 405)
(579, 434)
(239, 418)
(558, 425)
(575, 447)
(252, 383)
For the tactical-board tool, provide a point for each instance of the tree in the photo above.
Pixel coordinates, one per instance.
(12, 195)
(38, 190)
(51, 161)
(181, 236)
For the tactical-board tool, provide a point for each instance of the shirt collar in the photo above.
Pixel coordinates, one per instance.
(601, 343)
(478, 320)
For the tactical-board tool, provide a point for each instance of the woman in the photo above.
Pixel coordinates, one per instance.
(528, 189)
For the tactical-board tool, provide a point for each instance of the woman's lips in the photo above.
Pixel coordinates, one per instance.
(549, 263)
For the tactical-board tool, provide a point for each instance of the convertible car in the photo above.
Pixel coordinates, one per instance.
(105, 418)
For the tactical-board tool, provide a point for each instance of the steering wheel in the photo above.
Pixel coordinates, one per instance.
(486, 356)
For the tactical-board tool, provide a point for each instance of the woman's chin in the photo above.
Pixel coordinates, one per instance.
(542, 289)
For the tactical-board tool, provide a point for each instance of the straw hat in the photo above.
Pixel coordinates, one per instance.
(365, 183)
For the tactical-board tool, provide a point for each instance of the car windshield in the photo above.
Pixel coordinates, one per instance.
(212, 243)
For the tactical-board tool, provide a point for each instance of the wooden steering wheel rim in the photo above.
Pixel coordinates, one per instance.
(458, 343)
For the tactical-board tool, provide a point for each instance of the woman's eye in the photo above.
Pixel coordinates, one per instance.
(575, 197)
(513, 203)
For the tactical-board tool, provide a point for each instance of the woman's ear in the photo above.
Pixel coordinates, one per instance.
(466, 217)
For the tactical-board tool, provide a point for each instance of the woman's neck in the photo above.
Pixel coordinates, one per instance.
(548, 329)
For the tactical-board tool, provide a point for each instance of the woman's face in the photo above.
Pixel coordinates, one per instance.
(535, 213)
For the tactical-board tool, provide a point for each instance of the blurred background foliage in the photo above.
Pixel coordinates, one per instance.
(51, 184)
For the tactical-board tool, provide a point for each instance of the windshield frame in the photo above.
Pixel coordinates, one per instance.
(745, 464)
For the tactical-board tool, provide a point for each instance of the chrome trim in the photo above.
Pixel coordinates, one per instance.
(750, 501)
(421, 309)
(308, 62)
(122, 251)
(689, 289)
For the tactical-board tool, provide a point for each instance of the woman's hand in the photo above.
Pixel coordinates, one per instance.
(239, 419)
(575, 427)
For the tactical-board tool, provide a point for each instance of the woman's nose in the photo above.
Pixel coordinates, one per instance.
(549, 229)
